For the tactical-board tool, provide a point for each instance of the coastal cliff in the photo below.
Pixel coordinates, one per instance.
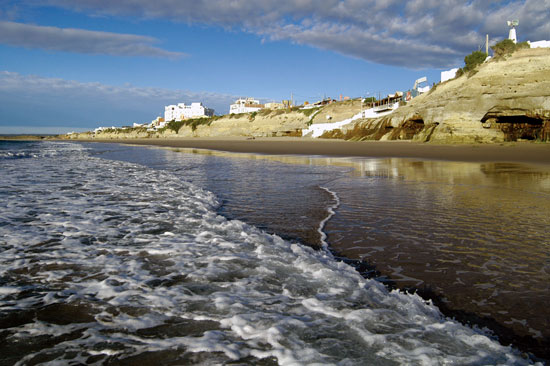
(503, 100)
(506, 99)
(265, 123)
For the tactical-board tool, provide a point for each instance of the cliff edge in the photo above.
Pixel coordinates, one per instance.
(505, 99)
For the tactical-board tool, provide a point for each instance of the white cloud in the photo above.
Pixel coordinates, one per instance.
(35, 100)
(416, 33)
(80, 41)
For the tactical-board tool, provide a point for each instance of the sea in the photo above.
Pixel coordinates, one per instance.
(115, 254)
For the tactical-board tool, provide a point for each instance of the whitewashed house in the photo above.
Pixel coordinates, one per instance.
(172, 113)
(247, 105)
(449, 74)
(539, 44)
(195, 110)
(99, 129)
(181, 111)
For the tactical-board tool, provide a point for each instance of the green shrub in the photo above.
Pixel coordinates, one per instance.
(473, 60)
(196, 122)
(507, 47)
(193, 123)
(522, 45)
(174, 125)
(264, 112)
(503, 48)
(310, 111)
(130, 130)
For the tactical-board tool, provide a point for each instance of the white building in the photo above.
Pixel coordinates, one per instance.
(181, 111)
(421, 85)
(539, 44)
(157, 123)
(512, 34)
(247, 105)
(449, 74)
(172, 113)
(99, 129)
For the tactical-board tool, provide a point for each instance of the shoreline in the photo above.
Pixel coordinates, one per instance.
(518, 152)
(513, 152)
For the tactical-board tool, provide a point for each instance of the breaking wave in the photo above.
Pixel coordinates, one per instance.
(107, 260)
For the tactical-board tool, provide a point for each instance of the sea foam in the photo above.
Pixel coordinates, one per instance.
(105, 260)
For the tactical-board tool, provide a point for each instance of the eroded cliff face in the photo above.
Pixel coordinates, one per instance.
(506, 100)
(261, 124)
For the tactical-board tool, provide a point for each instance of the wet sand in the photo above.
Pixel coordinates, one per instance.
(522, 152)
(467, 293)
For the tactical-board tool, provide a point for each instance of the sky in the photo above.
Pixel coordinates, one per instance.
(73, 65)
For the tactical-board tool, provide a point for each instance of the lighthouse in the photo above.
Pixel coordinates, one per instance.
(512, 35)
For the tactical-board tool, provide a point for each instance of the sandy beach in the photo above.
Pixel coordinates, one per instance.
(521, 152)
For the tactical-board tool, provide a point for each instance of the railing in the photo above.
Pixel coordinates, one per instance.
(383, 107)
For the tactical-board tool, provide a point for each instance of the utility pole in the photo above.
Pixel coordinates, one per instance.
(487, 44)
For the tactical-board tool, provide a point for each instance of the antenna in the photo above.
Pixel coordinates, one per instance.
(512, 35)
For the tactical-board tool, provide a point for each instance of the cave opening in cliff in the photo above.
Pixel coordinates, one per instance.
(520, 120)
(408, 129)
(412, 127)
(520, 127)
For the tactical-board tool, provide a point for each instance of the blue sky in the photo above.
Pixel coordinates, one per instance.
(79, 64)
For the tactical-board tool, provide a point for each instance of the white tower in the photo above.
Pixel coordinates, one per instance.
(512, 35)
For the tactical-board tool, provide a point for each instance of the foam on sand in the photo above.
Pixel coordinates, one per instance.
(104, 260)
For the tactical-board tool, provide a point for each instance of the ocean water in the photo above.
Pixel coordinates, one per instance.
(104, 261)
(473, 237)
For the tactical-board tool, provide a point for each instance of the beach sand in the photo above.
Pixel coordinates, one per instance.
(521, 152)
(350, 244)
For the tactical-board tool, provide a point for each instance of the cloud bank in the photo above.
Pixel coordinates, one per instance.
(416, 33)
(80, 41)
(39, 101)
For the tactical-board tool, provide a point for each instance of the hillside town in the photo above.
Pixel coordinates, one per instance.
(182, 112)
(371, 108)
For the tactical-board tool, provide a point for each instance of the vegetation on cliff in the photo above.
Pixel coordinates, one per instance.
(500, 50)
(126, 130)
(193, 123)
(507, 47)
(504, 99)
(473, 60)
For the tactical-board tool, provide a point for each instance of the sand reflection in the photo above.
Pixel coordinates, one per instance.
(474, 235)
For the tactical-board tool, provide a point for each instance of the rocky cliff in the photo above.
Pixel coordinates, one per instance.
(503, 100)
(265, 123)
